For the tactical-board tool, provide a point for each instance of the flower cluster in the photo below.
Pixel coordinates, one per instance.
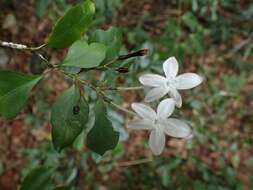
(159, 122)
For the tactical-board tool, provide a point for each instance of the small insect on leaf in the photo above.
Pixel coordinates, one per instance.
(76, 109)
(69, 117)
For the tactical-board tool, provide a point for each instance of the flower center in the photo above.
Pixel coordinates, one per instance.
(158, 124)
(170, 82)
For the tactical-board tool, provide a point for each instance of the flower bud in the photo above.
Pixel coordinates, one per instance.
(138, 53)
(122, 70)
(142, 52)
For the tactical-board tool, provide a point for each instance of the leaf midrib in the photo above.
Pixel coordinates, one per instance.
(72, 27)
(16, 89)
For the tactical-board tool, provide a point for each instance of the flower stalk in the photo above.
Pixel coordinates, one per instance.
(125, 88)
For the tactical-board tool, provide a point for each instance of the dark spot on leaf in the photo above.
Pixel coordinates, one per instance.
(76, 109)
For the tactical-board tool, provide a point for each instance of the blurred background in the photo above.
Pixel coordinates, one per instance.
(213, 38)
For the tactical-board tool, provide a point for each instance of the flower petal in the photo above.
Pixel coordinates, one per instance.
(176, 96)
(170, 67)
(144, 111)
(140, 124)
(165, 108)
(157, 141)
(152, 80)
(176, 128)
(187, 81)
(155, 94)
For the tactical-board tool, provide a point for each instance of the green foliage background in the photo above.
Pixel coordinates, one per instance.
(213, 38)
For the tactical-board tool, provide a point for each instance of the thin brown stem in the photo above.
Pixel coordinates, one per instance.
(135, 162)
(106, 99)
(100, 93)
(121, 108)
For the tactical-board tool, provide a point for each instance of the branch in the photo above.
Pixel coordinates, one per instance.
(26, 48)
(237, 48)
(99, 93)
(20, 46)
(135, 162)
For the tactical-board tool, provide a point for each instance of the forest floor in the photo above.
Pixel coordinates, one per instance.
(19, 24)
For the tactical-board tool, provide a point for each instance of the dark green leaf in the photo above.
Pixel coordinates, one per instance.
(41, 7)
(38, 179)
(83, 55)
(102, 137)
(67, 124)
(72, 25)
(14, 91)
(112, 38)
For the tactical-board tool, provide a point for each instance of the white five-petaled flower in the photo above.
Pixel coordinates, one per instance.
(159, 124)
(169, 84)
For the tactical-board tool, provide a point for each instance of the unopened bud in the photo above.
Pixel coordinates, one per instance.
(138, 53)
(142, 52)
(122, 70)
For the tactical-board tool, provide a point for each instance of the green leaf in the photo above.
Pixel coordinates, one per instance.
(64, 188)
(69, 116)
(38, 179)
(83, 55)
(41, 7)
(102, 137)
(14, 91)
(72, 25)
(112, 38)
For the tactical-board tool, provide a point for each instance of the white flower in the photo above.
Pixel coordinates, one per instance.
(169, 84)
(159, 124)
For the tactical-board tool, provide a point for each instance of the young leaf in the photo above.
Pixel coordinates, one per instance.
(38, 179)
(102, 137)
(14, 91)
(83, 55)
(112, 38)
(71, 26)
(69, 116)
